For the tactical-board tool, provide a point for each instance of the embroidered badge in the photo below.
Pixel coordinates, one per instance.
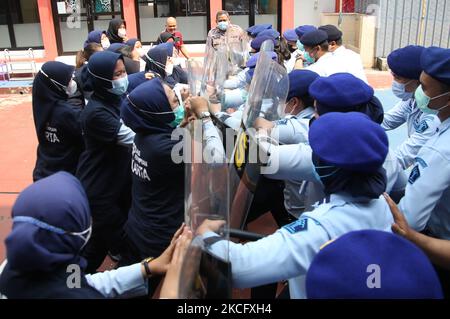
(421, 127)
(282, 122)
(297, 226)
(415, 174)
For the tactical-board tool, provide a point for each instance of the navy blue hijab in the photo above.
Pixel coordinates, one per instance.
(136, 79)
(94, 36)
(60, 201)
(132, 42)
(158, 56)
(148, 97)
(115, 47)
(169, 47)
(47, 93)
(101, 65)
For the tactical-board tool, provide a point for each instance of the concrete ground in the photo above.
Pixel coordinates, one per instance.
(18, 153)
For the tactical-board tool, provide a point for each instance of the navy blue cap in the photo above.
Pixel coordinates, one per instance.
(405, 62)
(251, 63)
(303, 29)
(340, 92)
(344, 268)
(270, 32)
(436, 63)
(332, 31)
(299, 82)
(314, 38)
(290, 35)
(351, 141)
(258, 41)
(257, 28)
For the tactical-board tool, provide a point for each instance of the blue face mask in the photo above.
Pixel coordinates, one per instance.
(423, 100)
(222, 25)
(120, 86)
(399, 90)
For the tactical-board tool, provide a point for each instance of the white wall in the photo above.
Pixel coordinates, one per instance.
(309, 11)
(28, 34)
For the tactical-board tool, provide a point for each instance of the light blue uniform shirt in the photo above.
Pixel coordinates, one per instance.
(288, 253)
(426, 203)
(293, 130)
(294, 163)
(239, 81)
(421, 127)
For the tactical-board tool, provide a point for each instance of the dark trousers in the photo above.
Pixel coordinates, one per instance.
(444, 278)
(268, 196)
(107, 234)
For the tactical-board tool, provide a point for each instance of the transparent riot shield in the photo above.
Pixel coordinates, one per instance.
(236, 52)
(195, 74)
(266, 100)
(215, 69)
(205, 275)
(267, 46)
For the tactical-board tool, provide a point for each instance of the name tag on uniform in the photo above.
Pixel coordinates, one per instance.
(297, 226)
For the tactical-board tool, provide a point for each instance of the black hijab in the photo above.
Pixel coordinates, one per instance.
(48, 91)
(113, 28)
(164, 37)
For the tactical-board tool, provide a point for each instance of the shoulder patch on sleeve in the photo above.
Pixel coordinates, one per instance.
(421, 162)
(415, 174)
(297, 226)
(422, 126)
(282, 122)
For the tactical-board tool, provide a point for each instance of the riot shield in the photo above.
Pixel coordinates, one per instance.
(206, 192)
(267, 46)
(266, 99)
(195, 74)
(237, 52)
(214, 72)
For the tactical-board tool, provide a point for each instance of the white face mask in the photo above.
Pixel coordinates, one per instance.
(169, 68)
(71, 88)
(122, 32)
(105, 43)
(141, 52)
